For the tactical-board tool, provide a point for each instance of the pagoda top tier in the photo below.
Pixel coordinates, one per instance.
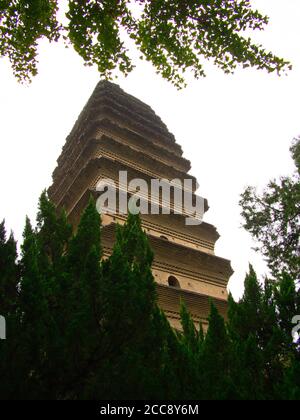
(110, 101)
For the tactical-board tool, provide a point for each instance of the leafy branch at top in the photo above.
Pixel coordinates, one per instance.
(175, 36)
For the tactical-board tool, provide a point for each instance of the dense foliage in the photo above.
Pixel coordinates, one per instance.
(174, 36)
(83, 327)
(273, 219)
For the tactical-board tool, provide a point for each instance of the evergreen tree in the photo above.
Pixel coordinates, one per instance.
(129, 306)
(43, 300)
(85, 327)
(216, 360)
(288, 304)
(287, 300)
(53, 234)
(190, 337)
(83, 314)
(33, 317)
(260, 343)
(273, 219)
(189, 363)
(9, 279)
(290, 388)
(8, 272)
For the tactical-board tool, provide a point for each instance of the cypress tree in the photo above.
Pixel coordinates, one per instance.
(258, 340)
(8, 272)
(83, 309)
(53, 234)
(130, 318)
(287, 300)
(33, 316)
(288, 305)
(43, 300)
(290, 388)
(248, 358)
(82, 327)
(9, 279)
(216, 360)
(190, 335)
(189, 366)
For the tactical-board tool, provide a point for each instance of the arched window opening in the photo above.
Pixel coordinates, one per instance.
(164, 237)
(173, 282)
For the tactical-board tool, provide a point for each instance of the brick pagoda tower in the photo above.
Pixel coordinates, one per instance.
(117, 132)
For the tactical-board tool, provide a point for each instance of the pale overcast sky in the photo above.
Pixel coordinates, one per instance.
(236, 130)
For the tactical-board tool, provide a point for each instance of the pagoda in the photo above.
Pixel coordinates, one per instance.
(117, 132)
